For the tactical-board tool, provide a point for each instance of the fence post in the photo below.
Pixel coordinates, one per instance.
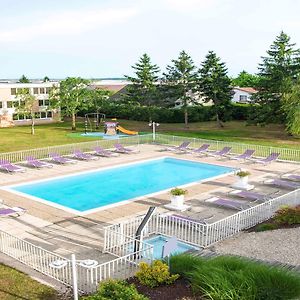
(74, 276)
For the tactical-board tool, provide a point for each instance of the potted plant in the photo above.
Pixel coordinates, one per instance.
(242, 183)
(177, 198)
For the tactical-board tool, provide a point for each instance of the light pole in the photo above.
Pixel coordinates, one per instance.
(62, 263)
(154, 125)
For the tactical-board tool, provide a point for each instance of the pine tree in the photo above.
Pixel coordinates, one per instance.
(143, 88)
(181, 81)
(278, 71)
(24, 79)
(214, 84)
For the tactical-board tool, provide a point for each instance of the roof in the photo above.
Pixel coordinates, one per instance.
(249, 90)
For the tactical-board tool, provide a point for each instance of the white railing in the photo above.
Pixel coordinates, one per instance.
(237, 148)
(202, 234)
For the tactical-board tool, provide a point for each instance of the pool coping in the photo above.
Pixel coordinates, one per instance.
(8, 188)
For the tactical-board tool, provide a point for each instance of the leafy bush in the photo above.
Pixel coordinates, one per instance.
(288, 215)
(234, 278)
(116, 290)
(178, 191)
(155, 274)
(266, 226)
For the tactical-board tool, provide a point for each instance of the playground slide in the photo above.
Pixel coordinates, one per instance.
(126, 131)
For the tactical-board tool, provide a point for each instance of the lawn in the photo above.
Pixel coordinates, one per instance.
(19, 138)
(17, 285)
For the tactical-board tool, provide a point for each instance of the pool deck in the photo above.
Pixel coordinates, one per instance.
(65, 233)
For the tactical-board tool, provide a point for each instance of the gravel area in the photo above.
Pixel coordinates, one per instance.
(281, 245)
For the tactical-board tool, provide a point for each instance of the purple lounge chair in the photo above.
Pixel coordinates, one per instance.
(33, 162)
(246, 155)
(252, 196)
(60, 159)
(12, 211)
(228, 203)
(272, 157)
(83, 156)
(9, 167)
(202, 149)
(220, 153)
(103, 152)
(184, 218)
(283, 183)
(119, 148)
(294, 177)
(182, 147)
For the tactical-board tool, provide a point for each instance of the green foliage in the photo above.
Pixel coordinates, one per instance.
(116, 290)
(143, 89)
(243, 173)
(233, 278)
(245, 79)
(288, 215)
(155, 274)
(215, 85)
(24, 79)
(266, 226)
(178, 192)
(46, 79)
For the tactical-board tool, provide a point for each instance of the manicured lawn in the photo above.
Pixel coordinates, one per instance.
(19, 138)
(16, 285)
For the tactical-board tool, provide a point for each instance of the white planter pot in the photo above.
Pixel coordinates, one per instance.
(242, 184)
(177, 201)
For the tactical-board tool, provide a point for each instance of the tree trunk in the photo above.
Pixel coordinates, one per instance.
(186, 121)
(32, 126)
(73, 122)
(219, 121)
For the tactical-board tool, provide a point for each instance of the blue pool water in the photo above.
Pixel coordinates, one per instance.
(159, 241)
(103, 187)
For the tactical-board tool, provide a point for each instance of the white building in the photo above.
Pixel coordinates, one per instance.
(243, 95)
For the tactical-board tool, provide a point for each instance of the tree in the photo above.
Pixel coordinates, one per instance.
(291, 106)
(245, 79)
(143, 88)
(278, 70)
(99, 98)
(46, 79)
(25, 104)
(71, 96)
(24, 79)
(214, 84)
(180, 82)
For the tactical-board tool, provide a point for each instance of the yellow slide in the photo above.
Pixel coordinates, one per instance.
(126, 131)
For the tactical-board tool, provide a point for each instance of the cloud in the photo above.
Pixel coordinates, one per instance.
(69, 23)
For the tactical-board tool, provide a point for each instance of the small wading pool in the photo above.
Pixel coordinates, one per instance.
(82, 192)
(159, 241)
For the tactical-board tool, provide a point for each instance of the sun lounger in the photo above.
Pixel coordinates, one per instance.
(33, 162)
(283, 183)
(184, 218)
(272, 157)
(202, 149)
(220, 153)
(9, 167)
(228, 203)
(60, 159)
(119, 148)
(181, 147)
(103, 152)
(83, 156)
(12, 212)
(246, 155)
(294, 177)
(252, 196)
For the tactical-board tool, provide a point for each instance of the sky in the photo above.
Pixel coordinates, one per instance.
(98, 39)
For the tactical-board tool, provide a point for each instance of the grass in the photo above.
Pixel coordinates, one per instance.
(19, 138)
(17, 285)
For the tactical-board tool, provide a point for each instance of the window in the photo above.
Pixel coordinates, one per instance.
(42, 90)
(1, 105)
(243, 98)
(41, 102)
(35, 91)
(44, 102)
(9, 104)
(47, 90)
(13, 91)
(43, 115)
(49, 114)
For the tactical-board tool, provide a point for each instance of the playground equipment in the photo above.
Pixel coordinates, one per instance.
(92, 121)
(113, 128)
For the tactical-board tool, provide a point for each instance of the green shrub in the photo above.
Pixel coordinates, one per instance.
(288, 215)
(155, 274)
(184, 263)
(116, 290)
(266, 226)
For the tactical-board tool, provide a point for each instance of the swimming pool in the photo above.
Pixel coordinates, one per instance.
(159, 241)
(96, 189)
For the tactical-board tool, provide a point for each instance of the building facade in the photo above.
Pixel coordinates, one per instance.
(9, 116)
(243, 95)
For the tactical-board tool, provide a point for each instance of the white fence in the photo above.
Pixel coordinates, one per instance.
(202, 234)
(87, 278)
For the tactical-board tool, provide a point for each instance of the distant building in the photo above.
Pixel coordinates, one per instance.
(243, 95)
(9, 115)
